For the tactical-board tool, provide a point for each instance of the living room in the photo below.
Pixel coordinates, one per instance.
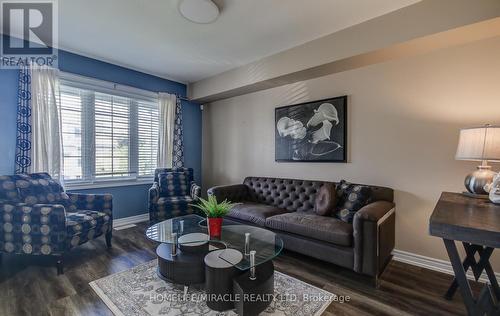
(210, 157)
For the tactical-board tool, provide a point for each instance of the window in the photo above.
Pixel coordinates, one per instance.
(109, 132)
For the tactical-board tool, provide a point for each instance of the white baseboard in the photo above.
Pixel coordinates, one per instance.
(432, 264)
(124, 227)
(130, 220)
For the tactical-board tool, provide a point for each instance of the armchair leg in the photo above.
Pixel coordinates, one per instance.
(60, 265)
(108, 239)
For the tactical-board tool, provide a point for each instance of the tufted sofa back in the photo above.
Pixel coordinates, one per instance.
(297, 195)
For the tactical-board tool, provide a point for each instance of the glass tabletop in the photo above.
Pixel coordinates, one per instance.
(266, 244)
(192, 229)
(182, 225)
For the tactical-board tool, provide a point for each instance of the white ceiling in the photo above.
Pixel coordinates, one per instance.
(151, 36)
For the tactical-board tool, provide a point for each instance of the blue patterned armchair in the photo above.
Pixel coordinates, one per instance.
(38, 218)
(172, 192)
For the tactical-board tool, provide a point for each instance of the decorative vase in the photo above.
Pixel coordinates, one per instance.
(214, 227)
(478, 181)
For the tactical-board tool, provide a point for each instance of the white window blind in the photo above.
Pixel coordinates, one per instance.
(107, 135)
(112, 136)
(147, 130)
(71, 119)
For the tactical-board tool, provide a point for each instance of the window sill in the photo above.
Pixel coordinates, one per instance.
(106, 184)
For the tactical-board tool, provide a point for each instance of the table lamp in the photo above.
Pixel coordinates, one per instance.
(479, 144)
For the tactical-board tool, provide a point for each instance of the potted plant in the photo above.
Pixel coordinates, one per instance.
(214, 212)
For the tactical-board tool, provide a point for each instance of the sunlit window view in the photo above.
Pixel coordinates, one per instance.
(106, 136)
(112, 136)
(147, 135)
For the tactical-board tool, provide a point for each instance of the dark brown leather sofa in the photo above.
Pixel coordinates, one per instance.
(286, 206)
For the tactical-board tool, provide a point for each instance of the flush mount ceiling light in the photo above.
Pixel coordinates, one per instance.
(199, 11)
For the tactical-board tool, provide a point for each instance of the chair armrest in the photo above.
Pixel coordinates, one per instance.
(38, 229)
(374, 237)
(195, 191)
(37, 213)
(55, 213)
(92, 202)
(154, 193)
(233, 193)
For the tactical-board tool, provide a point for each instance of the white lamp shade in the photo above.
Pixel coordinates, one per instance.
(479, 143)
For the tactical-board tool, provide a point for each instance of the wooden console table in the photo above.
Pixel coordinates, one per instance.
(476, 224)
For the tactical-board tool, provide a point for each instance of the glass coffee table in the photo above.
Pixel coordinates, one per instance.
(187, 255)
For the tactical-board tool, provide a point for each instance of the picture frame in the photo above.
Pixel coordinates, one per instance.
(314, 131)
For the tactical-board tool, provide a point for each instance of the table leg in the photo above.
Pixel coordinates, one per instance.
(174, 245)
(252, 265)
(485, 265)
(460, 276)
(470, 251)
(477, 268)
(485, 304)
(469, 261)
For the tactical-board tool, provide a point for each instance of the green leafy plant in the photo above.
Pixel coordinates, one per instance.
(212, 208)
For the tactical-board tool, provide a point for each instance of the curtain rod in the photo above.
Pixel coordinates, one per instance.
(112, 85)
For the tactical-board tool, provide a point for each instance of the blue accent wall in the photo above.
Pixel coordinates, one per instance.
(93, 68)
(8, 116)
(127, 200)
(192, 126)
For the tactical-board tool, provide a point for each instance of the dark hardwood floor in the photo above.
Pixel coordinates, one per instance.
(35, 289)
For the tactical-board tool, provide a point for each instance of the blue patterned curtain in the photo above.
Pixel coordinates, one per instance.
(23, 140)
(178, 154)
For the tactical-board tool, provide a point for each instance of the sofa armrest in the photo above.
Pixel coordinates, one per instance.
(233, 193)
(375, 211)
(195, 191)
(374, 237)
(92, 202)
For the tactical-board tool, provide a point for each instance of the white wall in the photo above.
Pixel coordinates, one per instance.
(404, 118)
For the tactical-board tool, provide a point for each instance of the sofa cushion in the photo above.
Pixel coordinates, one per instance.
(254, 212)
(326, 200)
(175, 200)
(328, 229)
(84, 225)
(173, 184)
(171, 206)
(352, 197)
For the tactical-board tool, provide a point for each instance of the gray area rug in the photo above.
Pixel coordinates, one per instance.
(139, 291)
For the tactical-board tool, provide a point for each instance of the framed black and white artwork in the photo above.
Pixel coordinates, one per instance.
(312, 132)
